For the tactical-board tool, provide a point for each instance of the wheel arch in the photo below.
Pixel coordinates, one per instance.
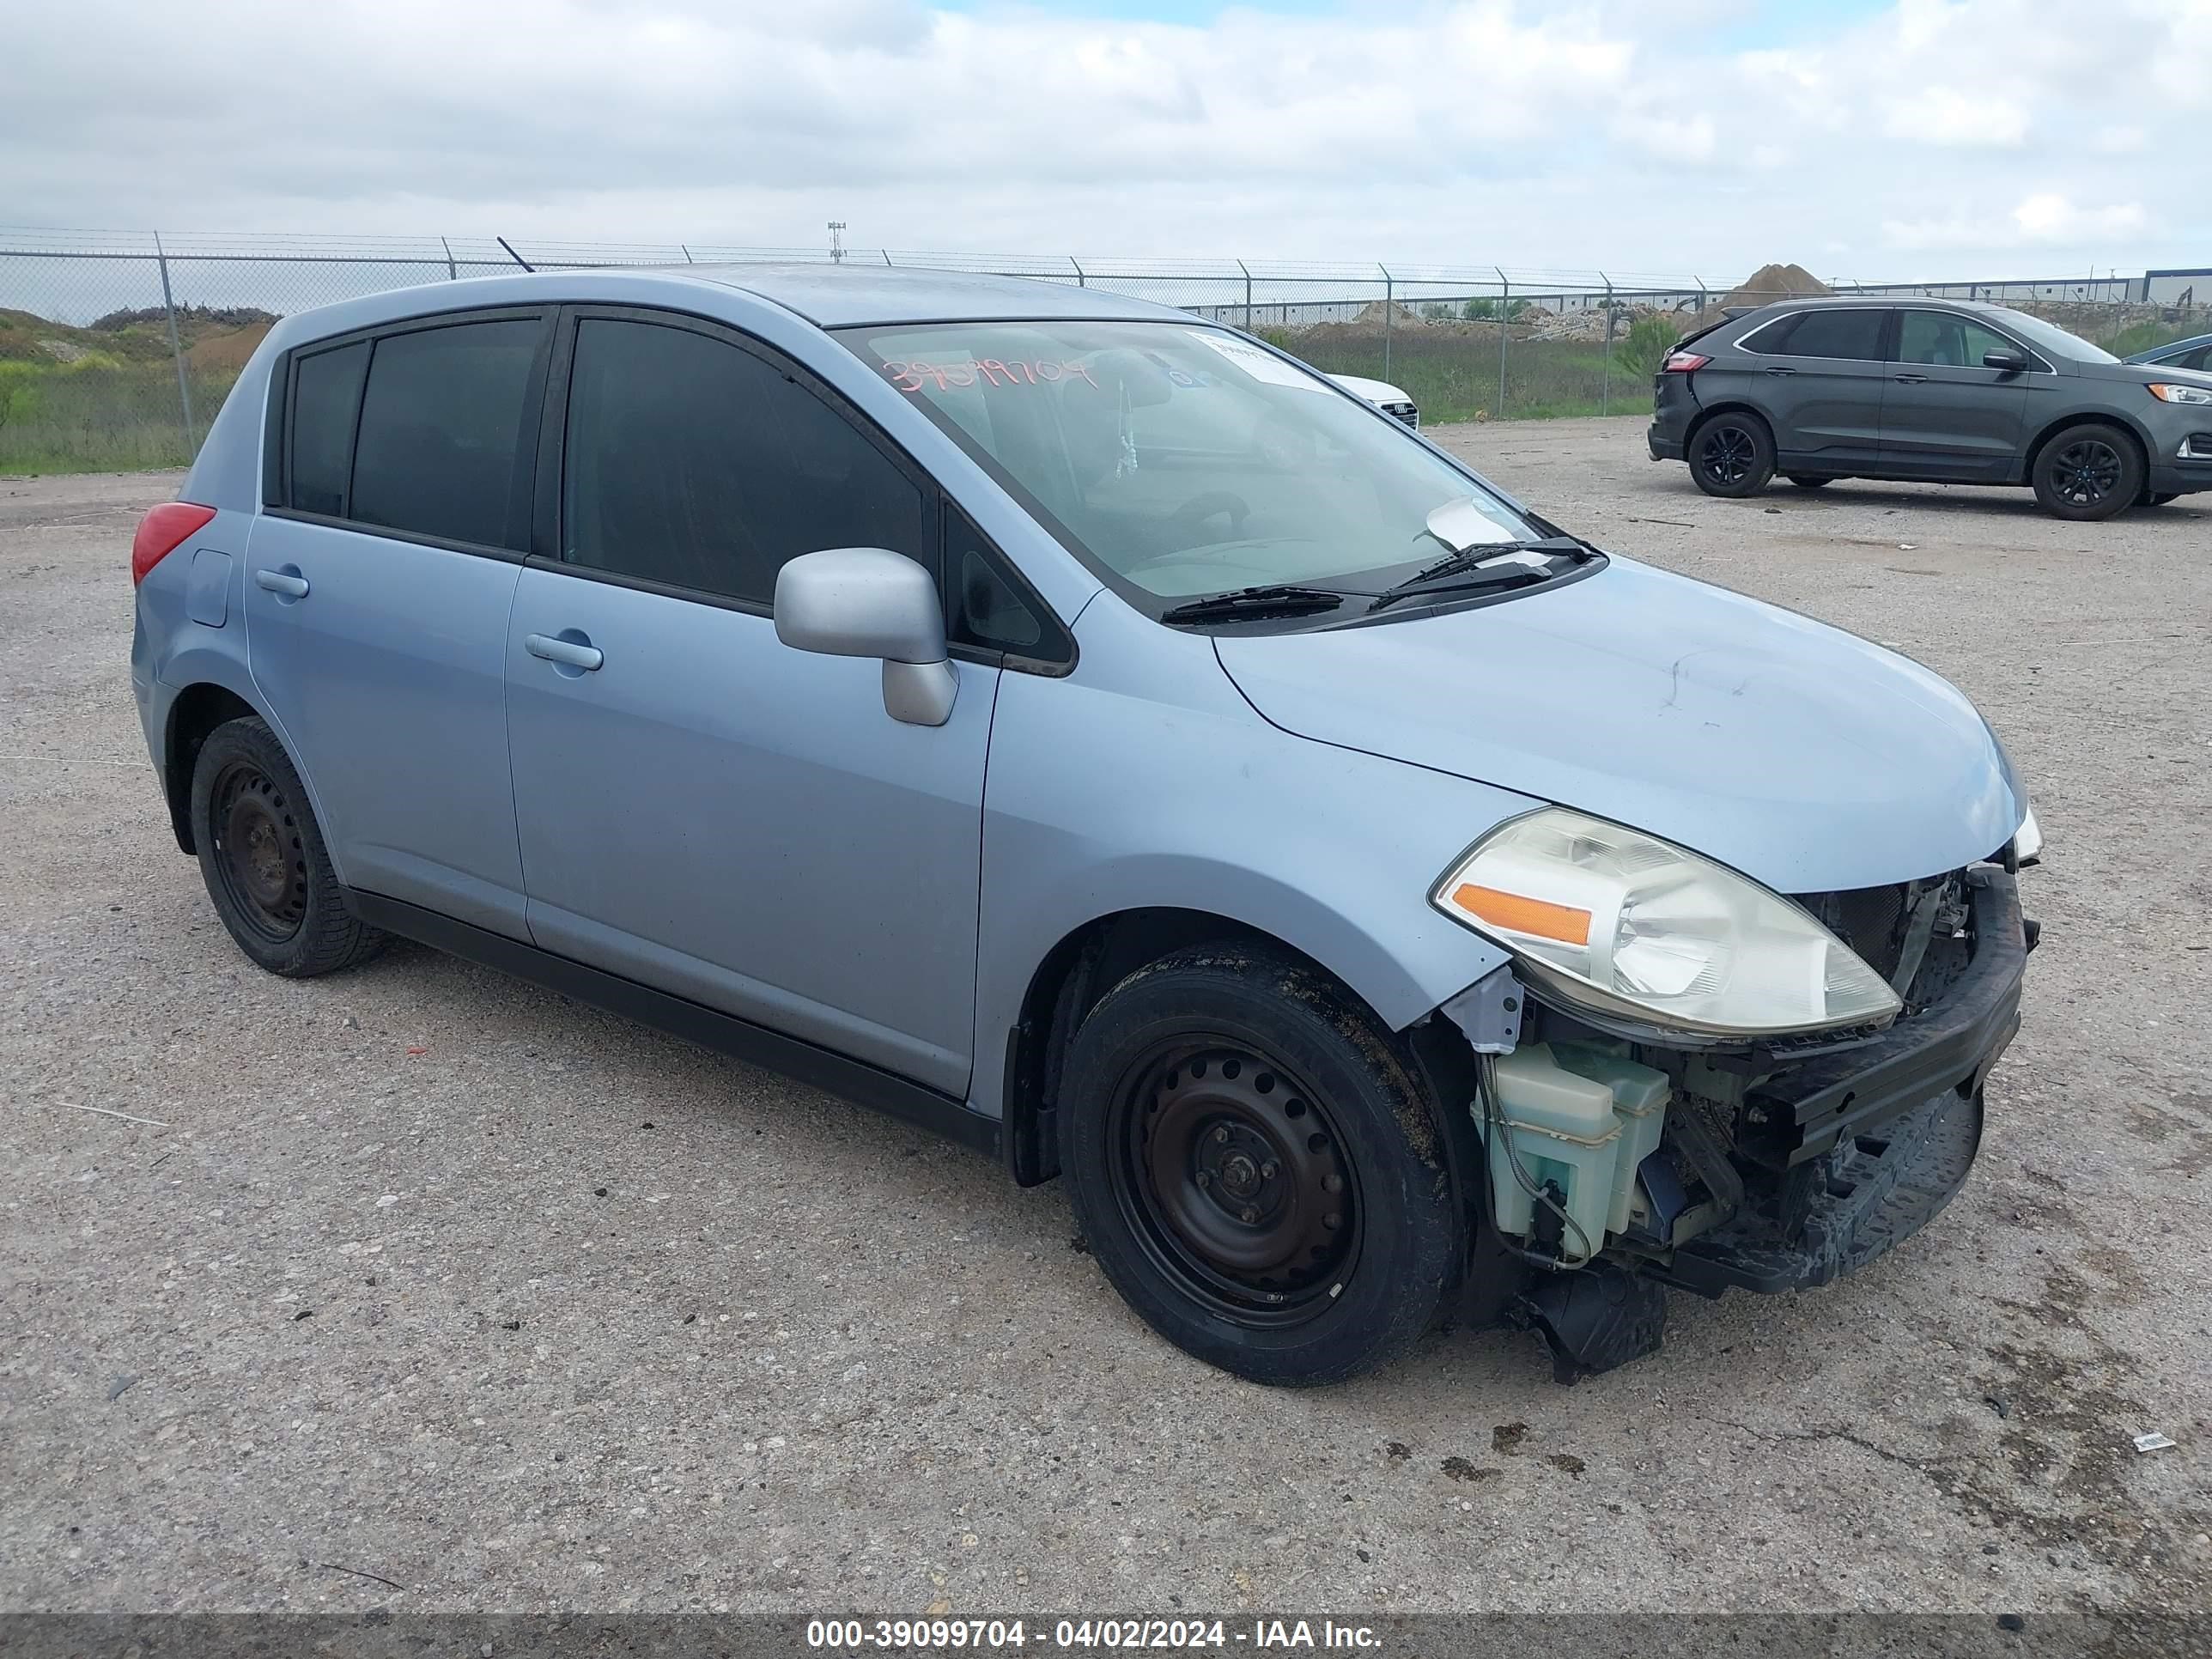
(1707, 414)
(2052, 428)
(216, 689)
(195, 713)
(1069, 979)
(1088, 962)
(1099, 954)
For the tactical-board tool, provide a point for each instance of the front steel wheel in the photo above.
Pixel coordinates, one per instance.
(1255, 1163)
(1235, 1181)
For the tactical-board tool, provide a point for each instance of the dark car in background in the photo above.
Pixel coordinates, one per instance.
(1937, 391)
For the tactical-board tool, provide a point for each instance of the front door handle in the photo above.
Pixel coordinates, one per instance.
(287, 583)
(569, 653)
(1910, 379)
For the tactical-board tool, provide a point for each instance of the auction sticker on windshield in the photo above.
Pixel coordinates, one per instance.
(1259, 365)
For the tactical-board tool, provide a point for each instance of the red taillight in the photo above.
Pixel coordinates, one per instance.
(1682, 363)
(163, 531)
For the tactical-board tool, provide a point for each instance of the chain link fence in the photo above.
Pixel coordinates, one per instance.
(115, 350)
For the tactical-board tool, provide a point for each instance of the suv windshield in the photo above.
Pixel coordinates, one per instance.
(2053, 339)
(1181, 461)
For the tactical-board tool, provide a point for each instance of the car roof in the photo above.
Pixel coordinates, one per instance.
(824, 295)
(1855, 302)
(841, 295)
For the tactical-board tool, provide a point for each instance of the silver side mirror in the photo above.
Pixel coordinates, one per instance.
(871, 602)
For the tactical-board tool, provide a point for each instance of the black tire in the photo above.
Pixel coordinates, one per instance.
(1256, 1167)
(262, 856)
(1807, 481)
(2089, 473)
(1732, 454)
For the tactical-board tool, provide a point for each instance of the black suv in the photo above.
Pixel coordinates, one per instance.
(1943, 391)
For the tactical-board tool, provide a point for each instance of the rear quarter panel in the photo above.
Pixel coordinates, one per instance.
(185, 633)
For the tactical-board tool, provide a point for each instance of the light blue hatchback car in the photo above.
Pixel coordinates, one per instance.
(1085, 730)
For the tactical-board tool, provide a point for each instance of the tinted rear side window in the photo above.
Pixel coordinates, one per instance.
(1854, 336)
(440, 426)
(692, 462)
(325, 397)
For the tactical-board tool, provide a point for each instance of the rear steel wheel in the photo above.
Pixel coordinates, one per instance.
(257, 855)
(262, 855)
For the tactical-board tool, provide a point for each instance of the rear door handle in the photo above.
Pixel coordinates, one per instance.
(571, 654)
(1777, 368)
(288, 583)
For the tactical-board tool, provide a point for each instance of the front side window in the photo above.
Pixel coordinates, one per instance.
(1181, 461)
(690, 461)
(440, 422)
(1852, 335)
(2051, 339)
(1942, 340)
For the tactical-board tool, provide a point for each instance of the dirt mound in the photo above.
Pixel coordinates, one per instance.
(1771, 282)
(189, 318)
(226, 352)
(1373, 313)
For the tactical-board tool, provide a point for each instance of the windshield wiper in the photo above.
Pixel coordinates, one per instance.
(1247, 603)
(1486, 564)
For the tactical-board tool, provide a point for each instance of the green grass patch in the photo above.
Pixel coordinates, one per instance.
(1453, 374)
(101, 415)
(2143, 336)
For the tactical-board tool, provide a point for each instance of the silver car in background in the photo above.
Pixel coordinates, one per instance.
(1392, 400)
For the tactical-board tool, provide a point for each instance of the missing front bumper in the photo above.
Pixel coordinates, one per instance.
(1874, 1192)
(1809, 1107)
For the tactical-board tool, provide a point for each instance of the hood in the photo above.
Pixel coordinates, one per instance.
(1800, 755)
(2135, 373)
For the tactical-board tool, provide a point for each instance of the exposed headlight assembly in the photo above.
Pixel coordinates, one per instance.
(2169, 391)
(1632, 927)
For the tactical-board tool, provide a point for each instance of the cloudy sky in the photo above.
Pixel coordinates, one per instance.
(1925, 138)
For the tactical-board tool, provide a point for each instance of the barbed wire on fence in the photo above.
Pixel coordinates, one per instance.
(116, 347)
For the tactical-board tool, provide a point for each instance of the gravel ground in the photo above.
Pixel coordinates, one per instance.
(425, 1289)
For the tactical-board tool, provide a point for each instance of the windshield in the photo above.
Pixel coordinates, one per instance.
(2053, 339)
(1181, 461)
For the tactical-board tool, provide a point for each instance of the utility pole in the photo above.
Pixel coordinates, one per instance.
(837, 228)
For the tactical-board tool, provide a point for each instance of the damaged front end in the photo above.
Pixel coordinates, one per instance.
(1620, 1162)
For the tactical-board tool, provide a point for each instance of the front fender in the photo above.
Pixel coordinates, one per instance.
(1102, 800)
